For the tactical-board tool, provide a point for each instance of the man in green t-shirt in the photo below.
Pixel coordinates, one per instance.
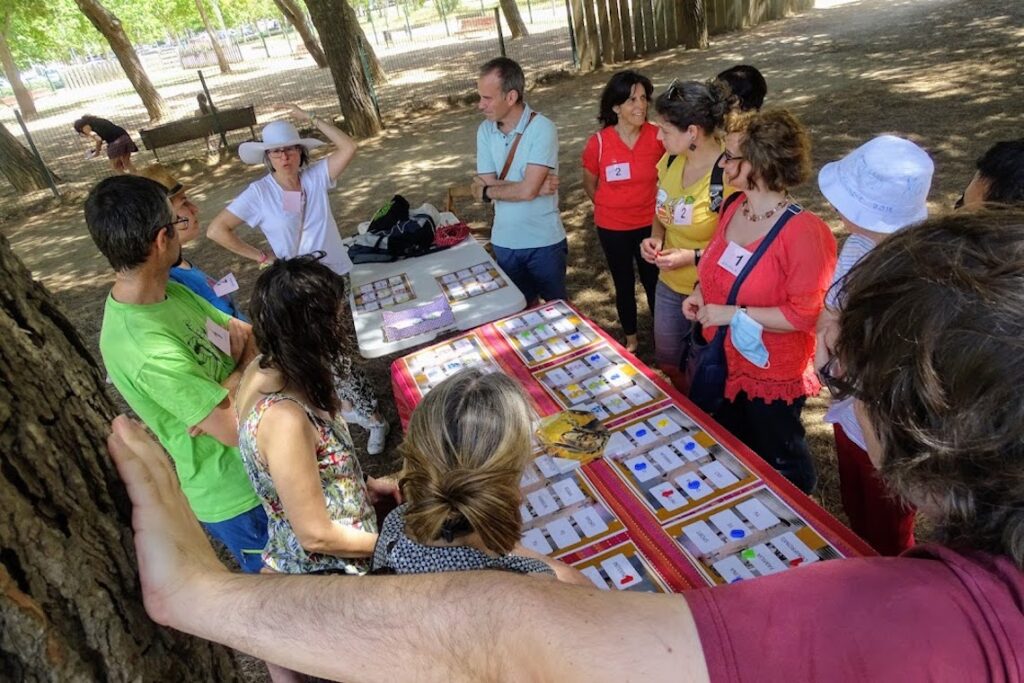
(175, 358)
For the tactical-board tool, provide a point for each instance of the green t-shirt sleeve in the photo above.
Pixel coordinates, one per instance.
(205, 307)
(188, 396)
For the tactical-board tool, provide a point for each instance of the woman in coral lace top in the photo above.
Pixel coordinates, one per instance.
(766, 153)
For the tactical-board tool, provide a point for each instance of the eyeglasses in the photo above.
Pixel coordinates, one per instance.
(729, 156)
(171, 226)
(831, 376)
(281, 151)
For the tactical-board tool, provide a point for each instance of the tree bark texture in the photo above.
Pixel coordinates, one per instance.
(695, 23)
(336, 22)
(110, 27)
(376, 68)
(604, 31)
(297, 18)
(24, 98)
(20, 167)
(516, 25)
(70, 608)
(615, 31)
(222, 61)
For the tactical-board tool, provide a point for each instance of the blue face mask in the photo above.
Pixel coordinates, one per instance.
(746, 338)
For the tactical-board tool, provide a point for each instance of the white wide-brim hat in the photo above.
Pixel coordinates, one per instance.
(881, 186)
(275, 134)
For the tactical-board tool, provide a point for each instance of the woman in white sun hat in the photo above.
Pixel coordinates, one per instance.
(877, 189)
(290, 204)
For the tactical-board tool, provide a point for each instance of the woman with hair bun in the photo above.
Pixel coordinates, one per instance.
(690, 192)
(467, 444)
(297, 452)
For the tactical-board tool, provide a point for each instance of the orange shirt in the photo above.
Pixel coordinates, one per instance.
(624, 204)
(793, 275)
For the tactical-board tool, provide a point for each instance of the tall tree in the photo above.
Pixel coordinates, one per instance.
(18, 165)
(110, 27)
(297, 18)
(694, 23)
(70, 604)
(514, 19)
(24, 98)
(340, 34)
(222, 61)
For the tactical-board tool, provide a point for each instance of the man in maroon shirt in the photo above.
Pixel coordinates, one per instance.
(930, 346)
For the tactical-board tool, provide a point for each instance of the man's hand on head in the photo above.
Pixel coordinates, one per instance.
(174, 555)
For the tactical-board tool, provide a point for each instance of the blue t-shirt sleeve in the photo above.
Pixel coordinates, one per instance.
(541, 143)
(484, 160)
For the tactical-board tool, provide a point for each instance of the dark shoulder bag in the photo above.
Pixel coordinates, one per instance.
(704, 365)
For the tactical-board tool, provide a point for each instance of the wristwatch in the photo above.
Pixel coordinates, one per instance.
(696, 256)
(483, 195)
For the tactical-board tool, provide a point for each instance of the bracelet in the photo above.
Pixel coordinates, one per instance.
(484, 196)
(262, 259)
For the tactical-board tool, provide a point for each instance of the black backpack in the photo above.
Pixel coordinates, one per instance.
(413, 236)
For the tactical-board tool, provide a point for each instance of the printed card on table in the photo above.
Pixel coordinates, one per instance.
(378, 294)
(541, 335)
(467, 283)
(436, 363)
(673, 466)
(602, 382)
(435, 314)
(620, 568)
(753, 535)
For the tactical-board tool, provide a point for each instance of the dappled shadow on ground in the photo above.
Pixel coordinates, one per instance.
(920, 69)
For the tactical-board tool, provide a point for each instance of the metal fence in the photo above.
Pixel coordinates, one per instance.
(434, 59)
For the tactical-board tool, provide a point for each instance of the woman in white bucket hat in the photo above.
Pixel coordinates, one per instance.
(290, 204)
(877, 189)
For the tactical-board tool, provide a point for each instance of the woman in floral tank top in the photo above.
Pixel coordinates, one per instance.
(295, 447)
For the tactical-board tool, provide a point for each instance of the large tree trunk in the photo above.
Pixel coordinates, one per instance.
(70, 606)
(694, 23)
(222, 61)
(515, 20)
(337, 25)
(25, 102)
(20, 167)
(297, 18)
(376, 68)
(110, 26)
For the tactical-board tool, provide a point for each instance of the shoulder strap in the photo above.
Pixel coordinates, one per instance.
(600, 147)
(791, 210)
(717, 186)
(671, 158)
(515, 145)
(729, 202)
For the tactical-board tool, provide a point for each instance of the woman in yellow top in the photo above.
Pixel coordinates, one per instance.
(689, 116)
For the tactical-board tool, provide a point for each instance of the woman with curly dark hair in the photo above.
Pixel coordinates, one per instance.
(296, 449)
(772, 318)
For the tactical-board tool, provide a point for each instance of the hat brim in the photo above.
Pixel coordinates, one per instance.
(252, 152)
(854, 211)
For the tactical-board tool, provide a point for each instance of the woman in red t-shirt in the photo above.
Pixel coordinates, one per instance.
(766, 153)
(620, 176)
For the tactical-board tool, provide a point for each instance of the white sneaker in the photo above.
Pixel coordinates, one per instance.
(378, 436)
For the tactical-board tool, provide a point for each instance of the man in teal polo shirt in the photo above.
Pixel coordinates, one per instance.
(175, 358)
(517, 167)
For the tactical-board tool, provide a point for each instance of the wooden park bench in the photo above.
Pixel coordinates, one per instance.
(476, 24)
(198, 128)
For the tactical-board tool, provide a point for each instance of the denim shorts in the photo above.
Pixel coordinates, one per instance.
(671, 328)
(245, 536)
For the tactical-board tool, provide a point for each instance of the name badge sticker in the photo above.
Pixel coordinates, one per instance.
(734, 258)
(226, 285)
(218, 336)
(617, 172)
(682, 214)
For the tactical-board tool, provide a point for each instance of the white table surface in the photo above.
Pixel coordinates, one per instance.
(421, 271)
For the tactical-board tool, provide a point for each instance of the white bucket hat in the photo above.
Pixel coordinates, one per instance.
(881, 186)
(275, 134)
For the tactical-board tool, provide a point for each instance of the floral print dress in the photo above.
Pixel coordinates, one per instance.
(343, 485)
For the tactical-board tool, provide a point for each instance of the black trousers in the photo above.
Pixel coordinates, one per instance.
(621, 248)
(773, 431)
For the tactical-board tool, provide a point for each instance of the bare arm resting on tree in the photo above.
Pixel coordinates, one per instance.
(474, 626)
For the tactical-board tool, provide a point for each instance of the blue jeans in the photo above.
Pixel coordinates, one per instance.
(539, 271)
(671, 329)
(245, 535)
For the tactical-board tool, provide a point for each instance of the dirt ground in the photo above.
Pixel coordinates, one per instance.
(945, 73)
